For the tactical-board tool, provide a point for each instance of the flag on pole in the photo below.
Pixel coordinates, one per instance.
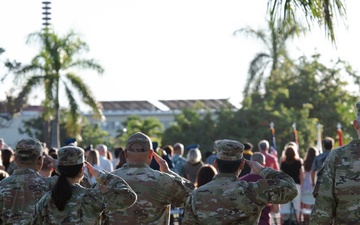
(340, 134)
(273, 150)
(296, 136)
(319, 143)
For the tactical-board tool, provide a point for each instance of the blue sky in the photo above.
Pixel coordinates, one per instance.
(163, 49)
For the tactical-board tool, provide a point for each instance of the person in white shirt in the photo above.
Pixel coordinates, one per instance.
(105, 163)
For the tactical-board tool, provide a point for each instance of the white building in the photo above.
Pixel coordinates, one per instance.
(116, 112)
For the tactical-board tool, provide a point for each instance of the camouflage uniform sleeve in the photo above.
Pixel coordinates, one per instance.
(38, 217)
(189, 186)
(85, 182)
(116, 193)
(189, 216)
(276, 188)
(325, 204)
(1, 208)
(180, 189)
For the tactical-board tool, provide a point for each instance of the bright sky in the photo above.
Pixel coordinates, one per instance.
(163, 49)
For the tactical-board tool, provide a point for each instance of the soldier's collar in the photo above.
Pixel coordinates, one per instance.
(227, 175)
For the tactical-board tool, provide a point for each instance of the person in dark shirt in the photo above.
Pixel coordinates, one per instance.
(294, 168)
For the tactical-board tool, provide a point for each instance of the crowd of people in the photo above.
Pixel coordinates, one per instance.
(142, 183)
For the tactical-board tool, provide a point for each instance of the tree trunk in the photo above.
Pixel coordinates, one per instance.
(46, 137)
(55, 129)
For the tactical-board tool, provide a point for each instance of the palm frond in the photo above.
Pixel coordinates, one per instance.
(259, 34)
(74, 107)
(256, 65)
(86, 94)
(30, 84)
(323, 12)
(87, 64)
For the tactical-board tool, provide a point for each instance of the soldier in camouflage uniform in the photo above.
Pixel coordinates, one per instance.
(337, 190)
(22, 190)
(156, 190)
(228, 200)
(70, 203)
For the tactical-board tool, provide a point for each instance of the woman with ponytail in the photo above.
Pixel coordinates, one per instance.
(70, 203)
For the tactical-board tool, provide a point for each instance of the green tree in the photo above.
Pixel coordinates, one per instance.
(319, 11)
(325, 88)
(93, 134)
(150, 126)
(55, 67)
(184, 129)
(267, 62)
(305, 93)
(198, 125)
(89, 134)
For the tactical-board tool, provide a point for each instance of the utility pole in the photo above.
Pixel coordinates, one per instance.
(46, 7)
(46, 23)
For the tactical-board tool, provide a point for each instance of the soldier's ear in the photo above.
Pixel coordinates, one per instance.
(151, 152)
(41, 159)
(125, 154)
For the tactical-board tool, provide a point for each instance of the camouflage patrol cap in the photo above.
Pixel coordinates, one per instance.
(228, 150)
(139, 142)
(28, 147)
(70, 155)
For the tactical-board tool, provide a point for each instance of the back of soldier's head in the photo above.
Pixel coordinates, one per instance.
(27, 151)
(229, 155)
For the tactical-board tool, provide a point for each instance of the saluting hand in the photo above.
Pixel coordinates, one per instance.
(162, 163)
(53, 162)
(92, 170)
(255, 166)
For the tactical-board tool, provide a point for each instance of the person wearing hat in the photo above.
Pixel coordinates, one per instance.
(228, 200)
(70, 203)
(194, 163)
(337, 189)
(247, 155)
(22, 190)
(156, 190)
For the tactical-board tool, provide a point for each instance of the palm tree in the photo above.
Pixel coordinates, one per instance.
(274, 39)
(54, 68)
(320, 11)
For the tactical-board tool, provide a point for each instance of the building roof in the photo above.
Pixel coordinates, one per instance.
(37, 108)
(203, 103)
(128, 105)
(161, 105)
(169, 104)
